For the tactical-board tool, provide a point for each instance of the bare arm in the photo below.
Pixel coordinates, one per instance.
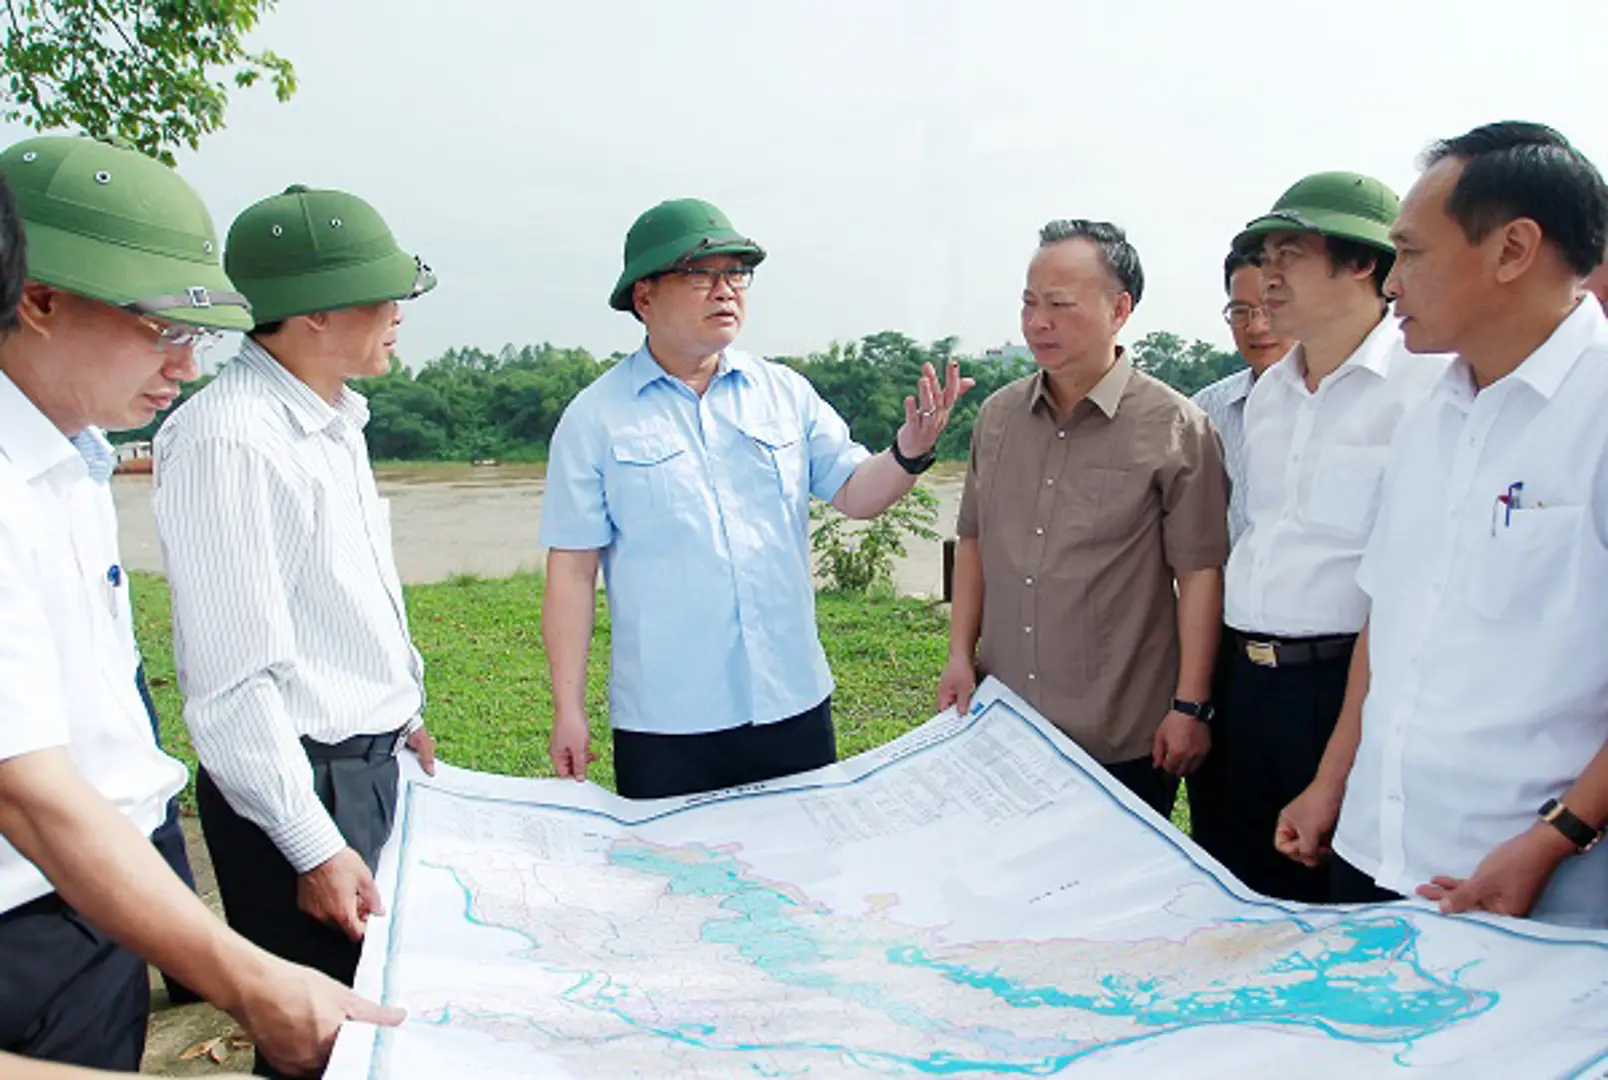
(104, 868)
(880, 481)
(959, 679)
(567, 608)
(1200, 621)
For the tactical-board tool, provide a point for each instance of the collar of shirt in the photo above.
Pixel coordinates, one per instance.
(27, 437)
(646, 370)
(306, 409)
(99, 456)
(1375, 355)
(1543, 370)
(1237, 387)
(1105, 394)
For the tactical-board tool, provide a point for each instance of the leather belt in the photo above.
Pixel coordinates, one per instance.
(1277, 653)
(369, 747)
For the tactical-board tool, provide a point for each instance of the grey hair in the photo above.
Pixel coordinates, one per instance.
(1119, 256)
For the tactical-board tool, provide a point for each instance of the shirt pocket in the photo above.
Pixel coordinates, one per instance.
(650, 475)
(1527, 568)
(778, 463)
(1345, 493)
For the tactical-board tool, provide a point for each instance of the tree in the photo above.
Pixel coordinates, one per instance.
(147, 72)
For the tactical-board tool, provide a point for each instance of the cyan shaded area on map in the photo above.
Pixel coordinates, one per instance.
(1359, 979)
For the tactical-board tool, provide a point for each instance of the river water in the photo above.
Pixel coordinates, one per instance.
(452, 519)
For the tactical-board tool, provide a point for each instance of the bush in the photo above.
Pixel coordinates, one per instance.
(856, 558)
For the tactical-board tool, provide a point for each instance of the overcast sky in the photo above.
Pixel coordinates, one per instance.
(896, 157)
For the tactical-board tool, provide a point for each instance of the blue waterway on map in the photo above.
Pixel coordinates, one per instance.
(1359, 980)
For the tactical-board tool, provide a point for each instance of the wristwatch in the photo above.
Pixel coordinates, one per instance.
(913, 466)
(1577, 832)
(1203, 711)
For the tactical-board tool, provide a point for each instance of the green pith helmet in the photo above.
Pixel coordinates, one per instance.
(671, 232)
(108, 223)
(1342, 204)
(313, 250)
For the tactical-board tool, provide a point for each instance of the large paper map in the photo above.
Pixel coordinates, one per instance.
(977, 898)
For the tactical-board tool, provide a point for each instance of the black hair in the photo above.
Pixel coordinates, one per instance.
(13, 260)
(1238, 258)
(1513, 169)
(267, 329)
(1120, 258)
(1354, 255)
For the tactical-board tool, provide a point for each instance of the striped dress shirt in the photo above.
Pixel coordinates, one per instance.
(1224, 402)
(288, 618)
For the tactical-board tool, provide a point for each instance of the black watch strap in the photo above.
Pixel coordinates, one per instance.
(1200, 710)
(913, 466)
(1577, 832)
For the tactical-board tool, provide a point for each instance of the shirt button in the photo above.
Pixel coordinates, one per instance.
(1027, 629)
(1039, 531)
(1031, 677)
(1050, 482)
(1060, 434)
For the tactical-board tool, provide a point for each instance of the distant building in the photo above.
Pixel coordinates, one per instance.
(1006, 352)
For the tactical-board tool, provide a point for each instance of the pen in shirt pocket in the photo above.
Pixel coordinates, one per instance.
(114, 581)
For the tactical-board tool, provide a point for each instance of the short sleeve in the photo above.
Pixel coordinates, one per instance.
(834, 455)
(1195, 495)
(575, 515)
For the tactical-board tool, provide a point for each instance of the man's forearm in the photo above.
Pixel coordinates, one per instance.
(1587, 799)
(1341, 751)
(966, 599)
(1200, 621)
(875, 485)
(567, 610)
(113, 876)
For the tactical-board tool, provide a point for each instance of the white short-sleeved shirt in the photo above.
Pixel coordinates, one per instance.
(1315, 461)
(67, 654)
(1489, 690)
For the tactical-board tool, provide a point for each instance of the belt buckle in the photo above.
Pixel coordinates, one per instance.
(401, 741)
(1262, 653)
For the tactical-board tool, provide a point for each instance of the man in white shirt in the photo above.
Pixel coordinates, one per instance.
(1260, 346)
(1481, 696)
(1317, 427)
(122, 282)
(300, 677)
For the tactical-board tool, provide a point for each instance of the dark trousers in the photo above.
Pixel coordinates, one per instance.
(169, 841)
(69, 993)
(1157, 787)
(1272, 726)
(650, 766)
(1348, 885)
(356, 782)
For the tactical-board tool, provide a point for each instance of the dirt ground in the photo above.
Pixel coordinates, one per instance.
(176, 1030)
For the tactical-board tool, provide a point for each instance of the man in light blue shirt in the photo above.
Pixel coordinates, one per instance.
(686, 472)
(1224, 400)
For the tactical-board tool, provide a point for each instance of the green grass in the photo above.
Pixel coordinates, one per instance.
(490, 700)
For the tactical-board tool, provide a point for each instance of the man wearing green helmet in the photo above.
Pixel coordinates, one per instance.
(300, 677)
(122, 279)
(686, 473)
(1318, 424)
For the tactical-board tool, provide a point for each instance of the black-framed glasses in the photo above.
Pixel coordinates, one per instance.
(703, 278)
(1238, 313)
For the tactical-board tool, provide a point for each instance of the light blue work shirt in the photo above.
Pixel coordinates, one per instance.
(700, 506)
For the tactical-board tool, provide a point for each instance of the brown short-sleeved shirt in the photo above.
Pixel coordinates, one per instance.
(1081, 526)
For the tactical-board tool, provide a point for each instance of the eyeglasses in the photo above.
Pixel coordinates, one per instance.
(703, 278)
(1242, 315)
(180, 336)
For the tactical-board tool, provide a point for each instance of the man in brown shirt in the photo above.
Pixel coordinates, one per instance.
(1093, 490)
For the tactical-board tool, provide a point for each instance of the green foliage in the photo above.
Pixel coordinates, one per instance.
(147, 72)
(859, 558)
(1185, 368)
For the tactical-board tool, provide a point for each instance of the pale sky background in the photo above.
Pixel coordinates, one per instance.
(895, 157)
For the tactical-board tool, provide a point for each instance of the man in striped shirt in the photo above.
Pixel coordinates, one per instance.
(299, 674)
(98, 326)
